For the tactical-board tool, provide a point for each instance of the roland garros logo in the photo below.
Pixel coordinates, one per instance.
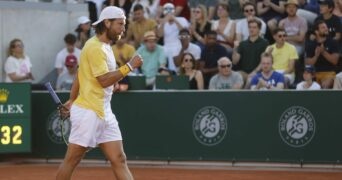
(297, 126)
(54, 130)
(209, 126)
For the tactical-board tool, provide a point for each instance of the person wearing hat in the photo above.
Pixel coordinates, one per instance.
(92, 120)
(295, 26)
(154, 57)
(326, 8)
(83, 31)
(65, 80)
(308, 83)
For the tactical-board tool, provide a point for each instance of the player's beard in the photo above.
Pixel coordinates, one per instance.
(113, 36)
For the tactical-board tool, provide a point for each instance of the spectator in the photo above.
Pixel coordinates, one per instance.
(169, 29)
(211, 53)
(186, 46)
(154, 57)
(226, 77)
(326, 8)
(199, 24)
(123, 52)
(210, 4)
(246, 55)
(271, 11)
(188, 69)
(284, 56)
(146, 7)
(309, 10)
(323, 53)
(338, 81)
(139, 26)
(65, 80)
(224, 27)
(181, 8)
(235, 8)
(69, 50)
(308, 76)
(83, 31)
(295, 26)
(242, 31)
(267, 79)
(18, 65)
(338, 9)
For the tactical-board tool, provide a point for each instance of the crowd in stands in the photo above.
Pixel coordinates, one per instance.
(218, 44)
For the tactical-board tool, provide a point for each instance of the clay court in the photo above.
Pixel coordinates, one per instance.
(94, 171)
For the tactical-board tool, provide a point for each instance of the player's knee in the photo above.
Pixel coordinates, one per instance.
(73, 160)
(119, 159)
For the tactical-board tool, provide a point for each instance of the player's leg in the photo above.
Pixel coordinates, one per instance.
(114, 152)
(73, 156)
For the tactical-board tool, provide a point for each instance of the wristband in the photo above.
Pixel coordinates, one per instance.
(130, 66)
(124, 70)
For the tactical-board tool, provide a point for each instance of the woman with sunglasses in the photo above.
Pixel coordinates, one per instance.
(199, 24)
(188, 69)
(18, 65)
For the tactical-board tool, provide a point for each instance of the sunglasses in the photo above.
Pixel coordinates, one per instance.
(183, 36)
(18, 45)
(187, 60)
(225, 66)
(249, 10)
(282, 35)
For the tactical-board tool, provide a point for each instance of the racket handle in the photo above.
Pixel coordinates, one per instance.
(53, 94)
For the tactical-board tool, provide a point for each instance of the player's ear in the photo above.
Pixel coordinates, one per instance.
(107, 23)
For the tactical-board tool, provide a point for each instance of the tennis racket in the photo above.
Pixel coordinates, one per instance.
(60, 107)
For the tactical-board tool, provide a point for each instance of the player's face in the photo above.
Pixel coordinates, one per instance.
(116, 28)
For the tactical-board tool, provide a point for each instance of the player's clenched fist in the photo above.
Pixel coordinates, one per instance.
(136, 61)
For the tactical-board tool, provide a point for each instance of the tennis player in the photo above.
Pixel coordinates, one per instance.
(92, 120)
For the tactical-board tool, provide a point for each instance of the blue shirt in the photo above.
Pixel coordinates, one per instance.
(273, 80)
(152, 60)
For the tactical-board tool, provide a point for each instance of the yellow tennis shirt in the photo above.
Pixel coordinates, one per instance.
(97, 59)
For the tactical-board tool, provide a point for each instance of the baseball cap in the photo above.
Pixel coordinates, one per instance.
(150, 35)
(309, 68)
(330, 3)
(110, 12)
(83, 20)
(295, 2)
(70, 60)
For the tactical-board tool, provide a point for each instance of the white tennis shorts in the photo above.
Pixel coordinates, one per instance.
(88, 130)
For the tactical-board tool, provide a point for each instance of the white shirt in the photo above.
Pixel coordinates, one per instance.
(242, 28)
(61, 56)
(314, 86)
(171, 31)
(194, 49)
(18, 66)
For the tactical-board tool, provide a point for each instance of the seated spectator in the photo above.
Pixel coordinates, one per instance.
(188, 69)
(271, 11)
(169, 28)
(267, 79)
(181, 8)
(338, 9)
(65, 80)
(138, 27)
(295, 26)
(224, 27)
(284, 56)
(323, 53)
(338, 81)
(226, 77)
(186, 47)
(69, 50)
(242, 32)
(199, 24)
(308, 76)
(18, 65)
(211, 53)
(123, 52)
(83, 31)
(333, 22)
(209, 4)
(246, 55)
(154, 57)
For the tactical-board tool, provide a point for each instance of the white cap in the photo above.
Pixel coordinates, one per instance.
(83, 20)
(110, 12)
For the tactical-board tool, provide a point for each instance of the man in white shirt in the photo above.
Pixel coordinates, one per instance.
(69, 50)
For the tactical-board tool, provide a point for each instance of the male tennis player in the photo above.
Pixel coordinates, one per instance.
(92, 121)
